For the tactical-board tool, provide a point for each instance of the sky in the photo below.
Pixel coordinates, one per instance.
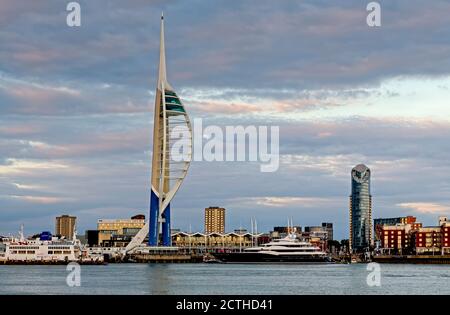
(76, 108)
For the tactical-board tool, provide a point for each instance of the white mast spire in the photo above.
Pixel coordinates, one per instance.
(162, 75)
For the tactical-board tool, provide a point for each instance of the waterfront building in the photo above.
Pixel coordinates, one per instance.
(433, 239)
(445, 236)
(329, 228)
(168, 170)
(285, 229)
(428, 240)
(413, 238)
(360, 209)
(379, 223)
(214, 220)
(65, 226)
(325, 232)
(138, 217)
(92, 238)
(395, 238)
(122, 230)
(215, 240)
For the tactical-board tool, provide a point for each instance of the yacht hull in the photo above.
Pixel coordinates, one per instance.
(270, 258)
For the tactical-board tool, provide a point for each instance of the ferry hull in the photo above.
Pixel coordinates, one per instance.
(269, 258)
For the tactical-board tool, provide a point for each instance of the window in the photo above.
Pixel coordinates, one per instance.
(167, 92)
(172, 100)
(177, 108)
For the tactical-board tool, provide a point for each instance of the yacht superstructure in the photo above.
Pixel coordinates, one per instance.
(286, 250)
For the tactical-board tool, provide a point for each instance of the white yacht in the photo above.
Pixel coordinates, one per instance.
(286, 250)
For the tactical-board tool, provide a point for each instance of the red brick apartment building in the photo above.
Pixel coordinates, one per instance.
(431, 240)
(404, 238)
(395, 237)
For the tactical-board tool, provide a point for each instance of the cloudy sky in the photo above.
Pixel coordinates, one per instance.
(76, 108)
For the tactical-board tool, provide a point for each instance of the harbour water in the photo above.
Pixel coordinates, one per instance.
(204, 279)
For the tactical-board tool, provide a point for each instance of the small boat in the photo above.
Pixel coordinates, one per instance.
(210, 259)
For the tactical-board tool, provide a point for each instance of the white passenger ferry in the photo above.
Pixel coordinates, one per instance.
(50, 249)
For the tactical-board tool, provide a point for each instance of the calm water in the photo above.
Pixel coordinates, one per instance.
(201, 279)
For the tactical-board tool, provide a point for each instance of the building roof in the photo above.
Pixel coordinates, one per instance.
(361, 168)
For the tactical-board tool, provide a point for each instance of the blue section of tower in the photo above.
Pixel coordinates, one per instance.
(153, 228)
(166, 237)
(153, 236)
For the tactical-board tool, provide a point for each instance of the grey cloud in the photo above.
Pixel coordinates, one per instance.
(250, 44)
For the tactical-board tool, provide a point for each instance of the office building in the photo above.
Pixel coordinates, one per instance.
(214, 220)
(65, 226)
(118, 229)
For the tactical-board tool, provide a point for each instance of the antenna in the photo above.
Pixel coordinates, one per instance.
(256, 232)
(251, 229)
(288, 228)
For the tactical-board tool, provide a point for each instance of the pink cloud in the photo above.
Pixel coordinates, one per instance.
(41, 199)
(425, 207)
(19, 130)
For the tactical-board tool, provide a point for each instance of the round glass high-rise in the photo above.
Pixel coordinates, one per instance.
(360, 209)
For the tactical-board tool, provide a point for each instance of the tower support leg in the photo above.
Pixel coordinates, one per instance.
(154, 213)
(166, 235)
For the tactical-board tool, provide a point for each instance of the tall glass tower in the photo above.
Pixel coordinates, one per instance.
(360, 209)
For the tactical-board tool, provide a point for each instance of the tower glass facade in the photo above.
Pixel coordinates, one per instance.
(360, 209)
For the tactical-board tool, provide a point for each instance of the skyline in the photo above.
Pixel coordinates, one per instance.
(76, 109)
